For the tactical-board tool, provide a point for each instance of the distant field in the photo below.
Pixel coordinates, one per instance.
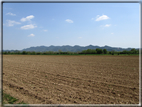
(65, 79)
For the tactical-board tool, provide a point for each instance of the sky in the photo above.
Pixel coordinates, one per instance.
(44, 24)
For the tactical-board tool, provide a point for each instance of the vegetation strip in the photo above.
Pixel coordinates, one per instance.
(84, 52)
(8, 99)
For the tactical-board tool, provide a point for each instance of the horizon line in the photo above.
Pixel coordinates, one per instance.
(71, 46)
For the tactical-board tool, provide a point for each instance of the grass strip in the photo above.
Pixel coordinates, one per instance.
(8, 99)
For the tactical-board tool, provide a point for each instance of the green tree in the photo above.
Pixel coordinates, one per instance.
(112, 52)
(125, 52)
(99, 51)
(88, 51)
(18, 52)
(33, 53)
(9, 52)
(38, 53)
(5, 52)
(109, 52)
(94, 51)
(133, 51)
(24, 52)
(104, 51)
(84, 51)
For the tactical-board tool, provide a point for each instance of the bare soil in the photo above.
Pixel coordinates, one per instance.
(64, 79)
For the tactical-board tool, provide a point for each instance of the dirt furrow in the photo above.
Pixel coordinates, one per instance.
(73, 79)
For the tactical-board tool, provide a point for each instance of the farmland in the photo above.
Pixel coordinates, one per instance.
(66, 79)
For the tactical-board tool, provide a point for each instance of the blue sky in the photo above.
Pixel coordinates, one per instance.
(37, 24)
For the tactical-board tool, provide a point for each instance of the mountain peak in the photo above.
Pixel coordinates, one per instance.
(90, 45)
(106, 46)
(75, 48)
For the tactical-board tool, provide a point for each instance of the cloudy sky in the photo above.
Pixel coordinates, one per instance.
(37, 24)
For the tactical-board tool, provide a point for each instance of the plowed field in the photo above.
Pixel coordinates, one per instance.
(59, 79)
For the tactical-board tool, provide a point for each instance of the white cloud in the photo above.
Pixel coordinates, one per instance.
(112, 33)
(92, 19)
(12, 23)
(28, 27)
(11, 14)
(45, 30)
(103, 17)
(28, 18)
(107, 25)
(97, 16)
(80, 37)
(31, 35)
(69, 21)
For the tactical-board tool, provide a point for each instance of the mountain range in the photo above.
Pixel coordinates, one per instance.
(69, 48)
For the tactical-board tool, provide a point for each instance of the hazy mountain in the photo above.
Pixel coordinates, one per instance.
(66, 48)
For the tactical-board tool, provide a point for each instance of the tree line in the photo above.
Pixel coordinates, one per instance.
(84, 52)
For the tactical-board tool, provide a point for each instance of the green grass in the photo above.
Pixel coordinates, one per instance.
(8, 99)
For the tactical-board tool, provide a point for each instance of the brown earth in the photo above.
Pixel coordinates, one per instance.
(49, 79)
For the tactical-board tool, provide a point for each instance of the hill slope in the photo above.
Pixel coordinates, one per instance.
(75, 48)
